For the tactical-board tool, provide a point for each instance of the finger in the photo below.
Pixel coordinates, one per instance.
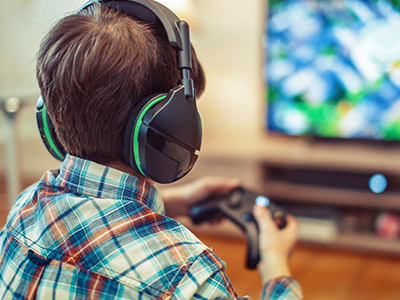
(264, 218)
(215, 186)
(292, 224)
(220, 184)
(216, 221)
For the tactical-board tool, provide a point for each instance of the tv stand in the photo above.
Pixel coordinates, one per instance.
(324, 184)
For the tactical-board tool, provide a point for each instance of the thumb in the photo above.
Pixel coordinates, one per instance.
(263, 218)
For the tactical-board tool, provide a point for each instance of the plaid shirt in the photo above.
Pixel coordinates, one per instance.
(91, 232)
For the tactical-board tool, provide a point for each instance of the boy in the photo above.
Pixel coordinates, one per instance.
(97, 228)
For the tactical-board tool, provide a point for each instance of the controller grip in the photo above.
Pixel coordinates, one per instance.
(253, 253)
(203, 212)
(248, 225)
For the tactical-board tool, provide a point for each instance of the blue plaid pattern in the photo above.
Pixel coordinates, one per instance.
(282, 288)
(88, 231)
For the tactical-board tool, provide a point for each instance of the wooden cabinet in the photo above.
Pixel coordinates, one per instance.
(327, 180)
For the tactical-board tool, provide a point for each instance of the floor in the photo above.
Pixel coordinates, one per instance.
(323, 273)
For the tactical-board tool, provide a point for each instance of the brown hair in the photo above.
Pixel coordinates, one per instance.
(93, 68)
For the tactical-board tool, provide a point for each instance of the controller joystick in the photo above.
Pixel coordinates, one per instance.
(238, 207)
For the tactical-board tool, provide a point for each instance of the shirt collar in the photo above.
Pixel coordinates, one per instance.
(88, 178)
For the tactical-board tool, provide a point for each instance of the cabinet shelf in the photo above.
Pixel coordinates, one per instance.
(309, 194)
(368, 242)
(363, 242)
(314, 177)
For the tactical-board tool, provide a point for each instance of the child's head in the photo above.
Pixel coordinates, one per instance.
(93, 68)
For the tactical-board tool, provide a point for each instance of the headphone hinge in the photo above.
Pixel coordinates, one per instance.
(189, 91)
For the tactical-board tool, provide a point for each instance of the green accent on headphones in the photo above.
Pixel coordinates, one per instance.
(136, 132)
(48, 135)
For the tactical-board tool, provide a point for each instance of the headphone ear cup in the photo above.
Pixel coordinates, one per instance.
(162, 136)
(173, 137)
(47, 132)
(132, 158)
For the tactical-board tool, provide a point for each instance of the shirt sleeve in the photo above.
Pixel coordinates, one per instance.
(282, 288)
(218, 286)
(206, 279)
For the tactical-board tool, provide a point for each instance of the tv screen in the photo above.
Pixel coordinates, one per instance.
(332, 68)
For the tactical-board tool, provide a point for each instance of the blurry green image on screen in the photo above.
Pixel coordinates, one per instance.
(332, 68)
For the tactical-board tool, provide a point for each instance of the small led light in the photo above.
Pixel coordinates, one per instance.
(377, 183)
(262, 201)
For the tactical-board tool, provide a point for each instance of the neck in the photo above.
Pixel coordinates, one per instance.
(127, 169)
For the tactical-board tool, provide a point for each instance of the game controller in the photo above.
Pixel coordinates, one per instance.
(238, 207)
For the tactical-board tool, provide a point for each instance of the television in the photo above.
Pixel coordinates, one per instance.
(332, 68)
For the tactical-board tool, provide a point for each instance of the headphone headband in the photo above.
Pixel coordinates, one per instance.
(149, 11)
(177, 31)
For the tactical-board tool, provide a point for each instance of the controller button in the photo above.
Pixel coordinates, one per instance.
(235, 200)
(248, 217)
(262, 201)
(278, 214)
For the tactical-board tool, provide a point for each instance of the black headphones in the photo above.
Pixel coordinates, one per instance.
(163, 133)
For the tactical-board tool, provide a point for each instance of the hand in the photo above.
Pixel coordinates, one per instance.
(275, 244)
(179, 199)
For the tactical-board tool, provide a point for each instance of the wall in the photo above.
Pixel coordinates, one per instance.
(226, 35)
(23, 23)
(228, 39)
